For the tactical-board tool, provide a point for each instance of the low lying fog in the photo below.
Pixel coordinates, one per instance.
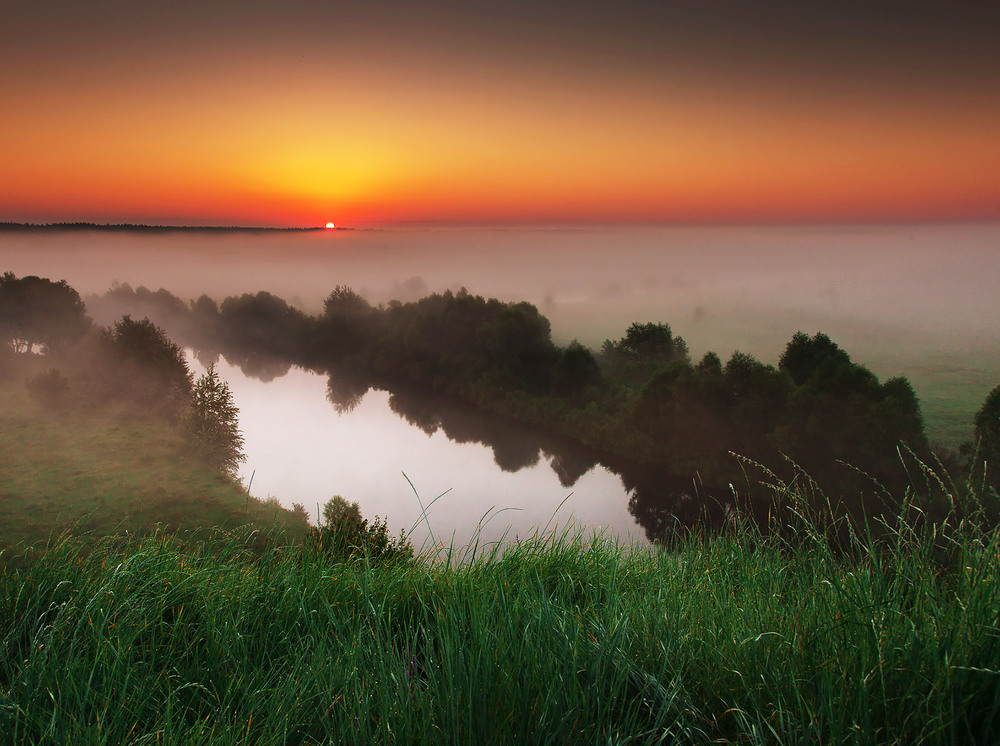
(881, 291)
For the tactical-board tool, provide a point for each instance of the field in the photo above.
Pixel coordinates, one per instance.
(104, 471)
(561, 639)
(162, 615)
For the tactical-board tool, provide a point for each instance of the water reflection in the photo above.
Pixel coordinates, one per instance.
(661, 503)
(301, 449)
(359, 445)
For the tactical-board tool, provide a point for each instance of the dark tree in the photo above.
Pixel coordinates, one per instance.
(803, 356)
(576, 370)
(263, 323)
(38, 311)
(645, 349)
(147, 367)
(214, 423)
(345, 327)
(343, 301)
(987, 423)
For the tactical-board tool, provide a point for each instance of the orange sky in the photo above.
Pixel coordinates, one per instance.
(289, 116)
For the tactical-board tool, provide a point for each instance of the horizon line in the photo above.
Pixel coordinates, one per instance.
(12, 225)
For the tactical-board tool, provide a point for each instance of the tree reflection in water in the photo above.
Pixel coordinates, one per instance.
(662, 503)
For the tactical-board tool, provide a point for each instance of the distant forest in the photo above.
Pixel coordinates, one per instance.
(690, 428)
(140, 228)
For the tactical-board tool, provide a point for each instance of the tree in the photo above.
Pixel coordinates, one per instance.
(645, 349)
(214, 423)
(38, 311)
(987, 423)
(345, 534)
(804, 355)
(340, 514)
(148, 368)
(343, 301)
(576, 369)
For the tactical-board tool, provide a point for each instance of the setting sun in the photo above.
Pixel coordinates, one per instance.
(330, 225)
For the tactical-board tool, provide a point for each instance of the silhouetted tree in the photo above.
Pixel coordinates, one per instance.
(803, 356)
(345, 327)
(343, 301)
(38, 311)
(986, 447)
(643, 350)
(576, 369)
(263, 323)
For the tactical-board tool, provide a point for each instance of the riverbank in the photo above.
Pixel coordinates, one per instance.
(733, 638)
(107, 470)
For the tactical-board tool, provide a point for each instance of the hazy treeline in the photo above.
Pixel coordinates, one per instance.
(640, 397)
(130, 362)
(639, 402)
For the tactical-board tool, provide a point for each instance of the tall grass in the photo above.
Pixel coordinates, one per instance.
(742, 637)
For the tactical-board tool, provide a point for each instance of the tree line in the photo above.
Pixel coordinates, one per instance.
(815, 414)
(131, 361)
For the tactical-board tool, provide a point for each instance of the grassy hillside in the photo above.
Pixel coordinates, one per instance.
(731, 639)
(99, 470)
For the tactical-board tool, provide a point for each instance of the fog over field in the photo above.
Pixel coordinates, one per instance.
(914, 300)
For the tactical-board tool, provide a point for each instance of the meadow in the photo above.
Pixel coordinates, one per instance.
(108, 470)
(734, 637)
(145, 597)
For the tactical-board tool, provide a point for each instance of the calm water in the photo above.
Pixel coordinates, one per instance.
(904, 300)
(474, 477)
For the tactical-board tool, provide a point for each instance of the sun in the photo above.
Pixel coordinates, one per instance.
(330, 225)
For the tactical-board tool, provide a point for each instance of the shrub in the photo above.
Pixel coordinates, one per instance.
(347, 535)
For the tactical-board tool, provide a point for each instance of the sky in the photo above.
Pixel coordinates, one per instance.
(372, 113)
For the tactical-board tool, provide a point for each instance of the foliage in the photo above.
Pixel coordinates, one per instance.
(987, 436)
(213, 422)
(804, 356)
(345, 534)
(169, 311)
(344, 302)
(146, 367)
(340, 515)
(452, 342)
(262, 323)
(576, 370)
(38, 311)
(643, 350)
(640, 398)
(347, 326)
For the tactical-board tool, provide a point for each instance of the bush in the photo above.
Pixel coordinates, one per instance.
(346, 534)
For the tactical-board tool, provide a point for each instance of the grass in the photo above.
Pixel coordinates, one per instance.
(733, 638)
(104, 470)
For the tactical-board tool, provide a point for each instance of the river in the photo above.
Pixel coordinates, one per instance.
(913, 300)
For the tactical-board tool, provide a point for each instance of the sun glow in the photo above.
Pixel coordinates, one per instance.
(330, 225)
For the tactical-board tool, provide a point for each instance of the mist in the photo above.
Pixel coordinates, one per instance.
(915, 300)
